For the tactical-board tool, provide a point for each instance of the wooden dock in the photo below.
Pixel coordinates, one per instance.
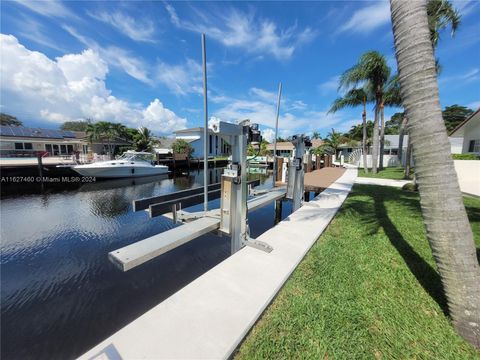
(318, 180)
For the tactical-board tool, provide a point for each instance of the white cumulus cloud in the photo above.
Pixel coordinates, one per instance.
(70, 87)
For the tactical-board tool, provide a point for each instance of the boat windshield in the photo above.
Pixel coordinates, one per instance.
(136, 157)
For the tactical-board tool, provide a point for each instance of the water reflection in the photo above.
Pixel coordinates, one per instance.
(60, 294)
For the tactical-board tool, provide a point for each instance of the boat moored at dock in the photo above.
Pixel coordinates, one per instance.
(130, 164)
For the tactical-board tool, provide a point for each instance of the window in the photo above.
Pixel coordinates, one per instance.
(48, 147)
(70, 149)
(210, 144)
(28, 146)
(18, 146)
(474, 146)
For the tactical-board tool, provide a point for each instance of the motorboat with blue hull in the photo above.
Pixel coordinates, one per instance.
(130, 164)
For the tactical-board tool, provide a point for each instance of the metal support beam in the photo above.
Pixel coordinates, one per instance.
(276, 135)
(205, 126)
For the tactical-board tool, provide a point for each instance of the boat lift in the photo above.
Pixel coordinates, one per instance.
(231, 218)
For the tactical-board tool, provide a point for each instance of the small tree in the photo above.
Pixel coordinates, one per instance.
(180, 146)
(75, 125)
(9, 120)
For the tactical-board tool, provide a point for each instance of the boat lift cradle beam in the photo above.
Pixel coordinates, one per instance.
(135, 254)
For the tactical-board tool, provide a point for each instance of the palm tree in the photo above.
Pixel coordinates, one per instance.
(316, 135)
(391, 98)
(448, 230)
(441, 13)
(144, 139)
(93, 133)
(373, 71)
(333, 140)
(353, 98)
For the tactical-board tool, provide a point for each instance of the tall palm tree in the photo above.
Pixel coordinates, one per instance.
(353, 98)
(316, 135)
(373, 71)
(448, 230)
(441, 13)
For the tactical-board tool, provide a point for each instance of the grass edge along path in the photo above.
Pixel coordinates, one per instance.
(394, 173)
(368, 288)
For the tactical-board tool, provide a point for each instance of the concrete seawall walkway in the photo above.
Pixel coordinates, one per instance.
(209, 318)
(381, 182)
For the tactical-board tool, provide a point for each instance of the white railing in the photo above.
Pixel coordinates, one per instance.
(354, 157)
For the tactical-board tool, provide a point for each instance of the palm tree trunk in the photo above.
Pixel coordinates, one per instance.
(448, 230)
(364, 140)
(408, 160)
(375, 139)
(382, 136)
(403, 124)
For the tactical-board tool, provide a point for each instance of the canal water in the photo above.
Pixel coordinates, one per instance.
(60, 295)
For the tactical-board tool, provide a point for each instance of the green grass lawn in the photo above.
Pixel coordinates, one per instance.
(396, 173)
(368, 289)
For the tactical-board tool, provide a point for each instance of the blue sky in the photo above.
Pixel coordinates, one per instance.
(140, 62)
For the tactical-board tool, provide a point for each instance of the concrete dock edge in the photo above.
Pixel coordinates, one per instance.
(208, 318)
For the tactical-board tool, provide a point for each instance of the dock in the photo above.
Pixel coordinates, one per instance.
(319, 180)
(209, 317)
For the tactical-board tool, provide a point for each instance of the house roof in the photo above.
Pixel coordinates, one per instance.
(282, 145)
(189, 130)
(82, 135)
(165, 143)
(316, 143)
(25, 132)
(458, 131)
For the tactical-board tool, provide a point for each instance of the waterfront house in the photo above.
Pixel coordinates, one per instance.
(284, 148)
(163, 147)
(469, 131)
(99, 146)
(217, 143)
(27, 142)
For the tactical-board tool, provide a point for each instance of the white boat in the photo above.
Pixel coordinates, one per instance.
(130, 164)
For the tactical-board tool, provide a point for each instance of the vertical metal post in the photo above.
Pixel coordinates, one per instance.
(298, 190)
(205, 126)
(239, 193)
(276, 135)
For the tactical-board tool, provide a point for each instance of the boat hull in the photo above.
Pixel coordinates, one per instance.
(110, 172)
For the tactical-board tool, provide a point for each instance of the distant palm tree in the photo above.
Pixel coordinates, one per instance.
(333, 140)
(93, 133)
(353, 98)
(316, 135)
(144, 139)
(447, 227)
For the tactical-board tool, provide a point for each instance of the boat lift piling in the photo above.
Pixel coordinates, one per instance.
(231, 218)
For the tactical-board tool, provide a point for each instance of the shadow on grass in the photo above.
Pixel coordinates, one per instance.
(376, 216)
(425, 274)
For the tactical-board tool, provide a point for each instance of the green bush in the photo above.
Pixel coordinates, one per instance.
(465, 157)
(180, 146)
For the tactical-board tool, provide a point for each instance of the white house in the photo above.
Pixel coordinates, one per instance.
(469, 129)
(217, 143)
